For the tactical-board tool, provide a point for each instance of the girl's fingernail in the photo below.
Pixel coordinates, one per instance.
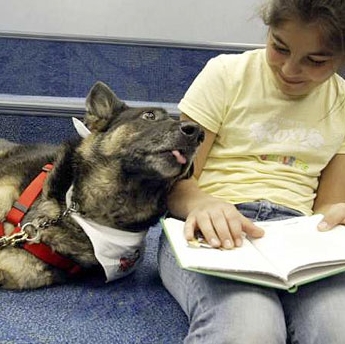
(214, 242)
(322, 226)
(227, 244)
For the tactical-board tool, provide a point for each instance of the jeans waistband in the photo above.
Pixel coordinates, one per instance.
(263, 210)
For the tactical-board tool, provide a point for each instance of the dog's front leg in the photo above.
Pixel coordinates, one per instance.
(21, 270)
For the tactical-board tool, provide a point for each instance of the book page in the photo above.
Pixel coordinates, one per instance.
(245, 258)
(296, 243)
(310, 275)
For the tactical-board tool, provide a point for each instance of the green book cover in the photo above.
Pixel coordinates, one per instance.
(291, 253)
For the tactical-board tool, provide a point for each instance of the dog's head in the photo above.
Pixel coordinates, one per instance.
(147, 140)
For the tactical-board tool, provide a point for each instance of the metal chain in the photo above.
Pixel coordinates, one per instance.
(25, 234)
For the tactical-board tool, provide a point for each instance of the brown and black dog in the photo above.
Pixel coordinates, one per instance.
(118, 176)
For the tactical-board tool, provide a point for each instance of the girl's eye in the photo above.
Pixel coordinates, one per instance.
(150, 116)
(316, 62)
(280, 49)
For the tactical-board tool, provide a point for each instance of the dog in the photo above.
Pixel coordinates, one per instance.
(100, 194)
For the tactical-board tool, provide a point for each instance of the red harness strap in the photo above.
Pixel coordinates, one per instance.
(16, 214)
(27, 198)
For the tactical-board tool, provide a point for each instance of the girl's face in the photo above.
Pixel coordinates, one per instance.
(298, 58)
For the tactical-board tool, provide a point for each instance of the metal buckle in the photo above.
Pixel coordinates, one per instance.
(13, 239)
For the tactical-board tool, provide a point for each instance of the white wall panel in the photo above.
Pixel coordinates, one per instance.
(215, 21)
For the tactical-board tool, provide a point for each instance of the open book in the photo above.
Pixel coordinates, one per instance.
(291, 253)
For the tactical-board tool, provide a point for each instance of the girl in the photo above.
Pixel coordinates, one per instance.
(275, 148)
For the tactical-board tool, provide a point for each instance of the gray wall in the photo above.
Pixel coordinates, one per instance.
(215, 21)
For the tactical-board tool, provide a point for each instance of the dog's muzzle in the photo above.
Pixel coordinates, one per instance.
(192, 131)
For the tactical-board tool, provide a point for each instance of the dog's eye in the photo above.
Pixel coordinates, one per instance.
(150, 116)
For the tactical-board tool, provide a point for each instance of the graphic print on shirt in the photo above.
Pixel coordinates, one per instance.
(285, 160)
(286, 131)
(282, 130)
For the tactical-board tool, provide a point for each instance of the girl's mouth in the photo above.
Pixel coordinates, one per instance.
(290, 81)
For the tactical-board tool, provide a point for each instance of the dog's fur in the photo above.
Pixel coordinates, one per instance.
(121, 175)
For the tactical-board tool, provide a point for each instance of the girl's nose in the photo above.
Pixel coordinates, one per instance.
(291, 67)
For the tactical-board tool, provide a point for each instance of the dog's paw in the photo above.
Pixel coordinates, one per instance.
(22, 270)
(6, 281)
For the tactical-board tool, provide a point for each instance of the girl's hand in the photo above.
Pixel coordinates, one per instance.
(334, 215)
(221, 224)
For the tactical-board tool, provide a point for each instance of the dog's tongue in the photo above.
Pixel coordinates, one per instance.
(179, 157)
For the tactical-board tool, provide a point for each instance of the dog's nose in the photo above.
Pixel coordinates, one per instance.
(192, 130)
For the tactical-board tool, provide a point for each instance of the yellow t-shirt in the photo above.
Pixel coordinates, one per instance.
(268, 145)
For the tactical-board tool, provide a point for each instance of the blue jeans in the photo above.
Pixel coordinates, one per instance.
(224, 311)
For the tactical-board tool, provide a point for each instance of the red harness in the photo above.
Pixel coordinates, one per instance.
(16, 214)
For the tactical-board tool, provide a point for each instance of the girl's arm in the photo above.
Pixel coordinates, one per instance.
(330, 199)
(220, 222)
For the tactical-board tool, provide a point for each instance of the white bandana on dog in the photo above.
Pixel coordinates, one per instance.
(119, 252)
(80, 127)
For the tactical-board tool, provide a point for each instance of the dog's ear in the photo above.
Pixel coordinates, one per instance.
(102, 105)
